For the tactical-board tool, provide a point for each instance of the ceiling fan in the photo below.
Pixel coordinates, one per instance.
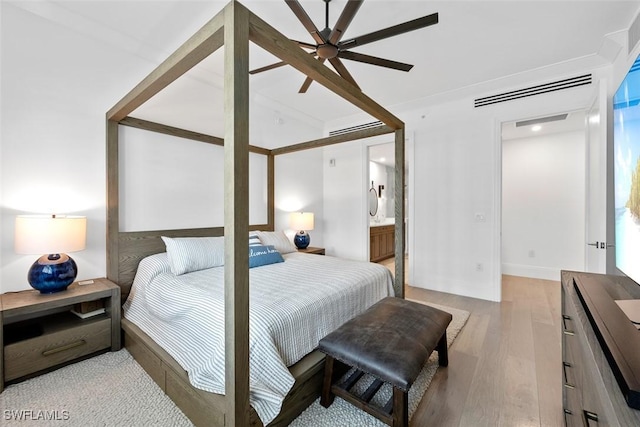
(328, 44)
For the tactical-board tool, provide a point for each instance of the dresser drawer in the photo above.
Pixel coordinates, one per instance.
(32, 355)
(572, 409)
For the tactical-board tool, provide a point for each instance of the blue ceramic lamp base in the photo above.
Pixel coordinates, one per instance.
(52, 273)
(302, 239)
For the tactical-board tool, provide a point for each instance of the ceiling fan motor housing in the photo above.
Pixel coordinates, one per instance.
(327, 51)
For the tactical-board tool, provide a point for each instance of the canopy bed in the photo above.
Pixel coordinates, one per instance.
(233, 27)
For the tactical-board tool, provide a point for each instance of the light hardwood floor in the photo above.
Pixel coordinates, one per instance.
(505, 365)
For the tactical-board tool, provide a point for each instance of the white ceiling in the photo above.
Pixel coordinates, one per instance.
(475, 41)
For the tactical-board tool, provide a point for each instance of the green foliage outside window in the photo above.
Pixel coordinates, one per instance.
(634, 197)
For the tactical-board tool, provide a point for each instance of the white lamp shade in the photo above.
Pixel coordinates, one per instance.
(301, 221)
(40, 234)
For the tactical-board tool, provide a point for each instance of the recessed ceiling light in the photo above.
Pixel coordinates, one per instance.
(536, 128)
(382, 159)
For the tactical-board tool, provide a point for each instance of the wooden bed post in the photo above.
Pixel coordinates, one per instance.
(236, 213)
(398, 284)
(113, 212)
(271, 191)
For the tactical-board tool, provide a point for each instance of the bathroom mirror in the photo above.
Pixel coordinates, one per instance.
(373, 201)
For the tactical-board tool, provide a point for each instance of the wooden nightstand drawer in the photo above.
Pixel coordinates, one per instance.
(39, 333)
(57, 345)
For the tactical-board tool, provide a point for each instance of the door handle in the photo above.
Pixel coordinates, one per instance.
(600, 245)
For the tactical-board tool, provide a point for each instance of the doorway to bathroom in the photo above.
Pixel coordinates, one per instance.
(381, 200)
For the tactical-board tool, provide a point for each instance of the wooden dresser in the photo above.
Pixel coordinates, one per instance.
(592, 394)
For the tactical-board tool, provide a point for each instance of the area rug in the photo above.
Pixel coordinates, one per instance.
(108, 390)
(113, 390)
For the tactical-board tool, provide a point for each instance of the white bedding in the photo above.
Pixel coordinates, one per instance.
(292, 306)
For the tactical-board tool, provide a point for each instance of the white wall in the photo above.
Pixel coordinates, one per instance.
(57, 85)
(543, 200)
(345, 215)
(454, 181)
(172, 183)
(457, 155)
(56, 88)
(299, 187)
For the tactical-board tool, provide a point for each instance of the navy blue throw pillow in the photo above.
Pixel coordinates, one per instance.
(263, 255)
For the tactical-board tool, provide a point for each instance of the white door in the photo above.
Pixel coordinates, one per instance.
(596, 191)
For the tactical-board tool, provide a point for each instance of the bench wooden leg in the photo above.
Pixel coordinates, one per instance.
(327, 396)
(400, 408)
(443, 352)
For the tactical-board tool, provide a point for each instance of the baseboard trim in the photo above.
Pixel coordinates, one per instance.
(531, 271)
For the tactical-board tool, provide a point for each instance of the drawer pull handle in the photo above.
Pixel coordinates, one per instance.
(64, 348)
(566, 383)
(566, 330)
(590, 416)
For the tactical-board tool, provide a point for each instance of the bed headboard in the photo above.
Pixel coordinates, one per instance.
(123, 257)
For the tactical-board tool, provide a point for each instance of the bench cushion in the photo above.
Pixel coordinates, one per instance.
(391, 340)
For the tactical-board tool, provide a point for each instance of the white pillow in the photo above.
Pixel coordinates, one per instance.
(187, 254)
(278, 240)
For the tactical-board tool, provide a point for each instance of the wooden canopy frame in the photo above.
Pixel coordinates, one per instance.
(234, 27)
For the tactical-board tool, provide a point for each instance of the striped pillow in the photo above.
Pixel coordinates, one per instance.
(278, 240)
(254, 240)
(187, 254)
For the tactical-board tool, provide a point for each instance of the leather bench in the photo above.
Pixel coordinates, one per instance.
(391, 341)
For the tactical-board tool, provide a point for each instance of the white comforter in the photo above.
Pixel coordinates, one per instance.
(292, 306)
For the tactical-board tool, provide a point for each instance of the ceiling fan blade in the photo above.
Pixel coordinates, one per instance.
(374, 60)
(415, 24)
(297, 9)
(342, 70)
(305, 85)
(305, 44)
(276, 65)
(343, 22)
(308, 81)
(268, 67)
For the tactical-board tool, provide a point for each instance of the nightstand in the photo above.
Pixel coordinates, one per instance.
(39, 333)
(312, 250)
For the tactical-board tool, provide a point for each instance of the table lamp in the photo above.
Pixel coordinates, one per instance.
(51, 235)
(302, 221)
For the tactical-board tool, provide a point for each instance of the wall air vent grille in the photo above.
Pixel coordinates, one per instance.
(634, 33)
(534, 90)
(355, 128)
(542, 120)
